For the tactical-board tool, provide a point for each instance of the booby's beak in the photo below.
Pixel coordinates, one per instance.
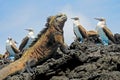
(99, 19)
(16, 42)
(30, 29)
(9, 38)
(75, 18)
(27, 29)
(72, 18)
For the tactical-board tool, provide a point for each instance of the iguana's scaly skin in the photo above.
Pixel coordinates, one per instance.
(46, 44)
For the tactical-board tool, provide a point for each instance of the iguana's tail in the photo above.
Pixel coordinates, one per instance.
(12, 68)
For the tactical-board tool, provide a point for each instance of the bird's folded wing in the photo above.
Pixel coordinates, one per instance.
(108, 33)
(23, 43)
(83, 31)
(92, 33)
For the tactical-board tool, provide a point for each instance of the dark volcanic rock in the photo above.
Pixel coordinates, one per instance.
(117, 38)
(87, 61)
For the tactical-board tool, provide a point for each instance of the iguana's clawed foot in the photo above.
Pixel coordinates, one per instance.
(28, 67)
(29, 70)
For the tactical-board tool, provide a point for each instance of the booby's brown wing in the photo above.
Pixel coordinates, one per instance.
(6, 54)
(92, 33)
(83, 31)
(109, 33)
(14, 47)
(23, 43)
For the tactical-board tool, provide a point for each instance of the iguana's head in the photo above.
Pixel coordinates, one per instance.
(57, 20)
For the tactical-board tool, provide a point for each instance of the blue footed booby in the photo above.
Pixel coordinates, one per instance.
(27, 40)
(104, 33)
(79, 31)
(11, 48)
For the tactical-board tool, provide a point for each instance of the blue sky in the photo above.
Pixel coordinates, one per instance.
(17, 15)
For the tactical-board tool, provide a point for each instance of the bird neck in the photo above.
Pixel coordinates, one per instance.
(30, 34)
(7, 42)
(101, 23)
(76, 22)
(10, 42)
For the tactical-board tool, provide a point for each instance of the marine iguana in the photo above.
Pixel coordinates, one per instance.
(43, 46)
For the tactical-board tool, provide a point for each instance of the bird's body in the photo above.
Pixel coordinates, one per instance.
(105, 34)
(79, 31)
(29, 42)
(26, 42)
(11, 48)
(102, 35)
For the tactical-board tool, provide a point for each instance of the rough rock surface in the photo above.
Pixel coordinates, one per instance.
(87, 61)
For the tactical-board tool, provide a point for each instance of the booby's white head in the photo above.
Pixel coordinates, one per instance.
(8, 41)
(31, 32)
(76, 21)
(9, 38)
(11, 41)
(102, 21)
